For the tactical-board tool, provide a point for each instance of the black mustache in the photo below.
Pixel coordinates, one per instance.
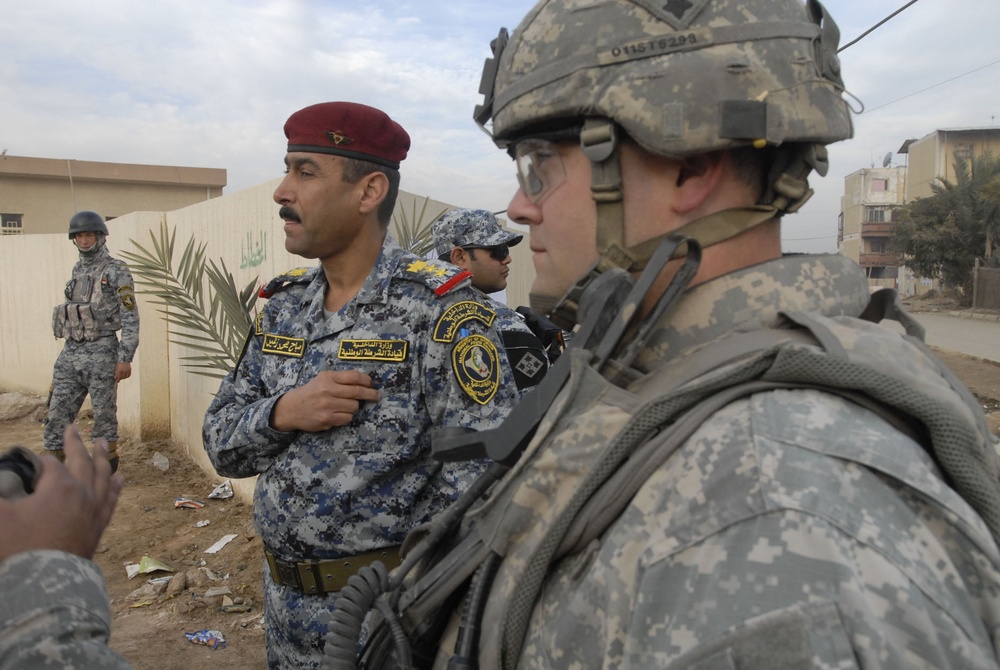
(288, 214)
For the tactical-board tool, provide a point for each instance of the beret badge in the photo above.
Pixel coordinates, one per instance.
(338, 138)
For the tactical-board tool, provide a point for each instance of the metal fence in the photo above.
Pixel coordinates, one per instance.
(986, 288)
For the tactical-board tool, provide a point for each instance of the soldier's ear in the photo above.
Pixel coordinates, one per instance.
(697, 179)
(375, 187)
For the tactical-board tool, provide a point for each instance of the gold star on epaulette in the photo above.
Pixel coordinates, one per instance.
(417, 266)
(297, 272)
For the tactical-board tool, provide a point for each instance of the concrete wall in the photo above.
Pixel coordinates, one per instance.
(163, 398)
(932, 157)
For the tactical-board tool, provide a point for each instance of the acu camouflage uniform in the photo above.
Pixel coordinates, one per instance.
(772, 482)
(792, 527)
(54, 613)
(523, 348)
(429, 346)
(92, 350)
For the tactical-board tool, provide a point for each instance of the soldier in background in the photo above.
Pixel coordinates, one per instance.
(742, 469)
(473, 240)
(346, 371)
(100, 300)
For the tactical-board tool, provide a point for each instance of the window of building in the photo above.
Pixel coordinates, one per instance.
(880, 184)
(879, 245)
(10, 224)
(878, 214)
(964, 151)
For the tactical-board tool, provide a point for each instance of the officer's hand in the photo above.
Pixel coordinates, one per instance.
(329, 399)
(122, 371)
(70, 507)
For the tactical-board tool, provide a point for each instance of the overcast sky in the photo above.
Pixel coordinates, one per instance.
(210, 84)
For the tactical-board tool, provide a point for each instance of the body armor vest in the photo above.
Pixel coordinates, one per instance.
(87, 313)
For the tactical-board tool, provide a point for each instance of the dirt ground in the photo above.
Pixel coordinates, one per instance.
(223, 589)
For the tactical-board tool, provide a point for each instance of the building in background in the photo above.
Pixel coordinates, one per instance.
(932, 157)
(865, 227)
(39, 195)
(871, 195)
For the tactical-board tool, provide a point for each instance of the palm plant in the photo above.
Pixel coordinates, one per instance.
(413, 230)
(214, 322)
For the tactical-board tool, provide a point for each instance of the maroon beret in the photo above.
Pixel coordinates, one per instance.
(348, 129)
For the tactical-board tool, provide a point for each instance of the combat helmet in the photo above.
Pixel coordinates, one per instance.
(681, 78)
(86, 222)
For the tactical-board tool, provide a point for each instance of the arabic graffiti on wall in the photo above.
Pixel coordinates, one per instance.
(253, 253)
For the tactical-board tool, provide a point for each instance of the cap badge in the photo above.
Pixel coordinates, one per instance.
(338, 138)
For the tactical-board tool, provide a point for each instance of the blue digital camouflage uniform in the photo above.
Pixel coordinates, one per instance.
(792, 528)
(418, 330)
(54, 613)
(88, 365)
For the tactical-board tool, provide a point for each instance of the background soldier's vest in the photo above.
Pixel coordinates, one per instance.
(87, 313)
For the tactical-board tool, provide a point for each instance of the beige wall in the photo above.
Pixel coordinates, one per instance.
(932, 157)
(162, 397)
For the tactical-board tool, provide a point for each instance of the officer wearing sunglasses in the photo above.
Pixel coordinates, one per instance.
(473, 240)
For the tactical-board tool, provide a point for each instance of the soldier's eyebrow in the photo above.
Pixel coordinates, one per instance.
(300, 162)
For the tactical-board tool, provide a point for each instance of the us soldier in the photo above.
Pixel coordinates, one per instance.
(348, 367)
(749, 472)
(473, 240)
(100, 300)
(55, 611)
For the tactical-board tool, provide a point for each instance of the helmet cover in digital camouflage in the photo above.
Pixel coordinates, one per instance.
(681, 78)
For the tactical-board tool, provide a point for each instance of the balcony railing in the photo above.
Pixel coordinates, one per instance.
(876, 230)
(879, 260)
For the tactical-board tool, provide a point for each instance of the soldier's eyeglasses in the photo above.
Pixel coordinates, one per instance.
(498, 253)
(539, 167)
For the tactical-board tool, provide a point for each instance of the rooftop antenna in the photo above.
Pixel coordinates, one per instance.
(887, 161)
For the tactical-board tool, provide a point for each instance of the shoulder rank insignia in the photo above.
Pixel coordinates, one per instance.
(476, 364)
(439, 277)
(448, 325)
(258, 324)
(296, 276)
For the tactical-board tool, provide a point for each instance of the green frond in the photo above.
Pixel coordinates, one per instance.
(413, 229)
(218, 329)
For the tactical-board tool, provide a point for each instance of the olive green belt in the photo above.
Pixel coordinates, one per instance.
(326, 576)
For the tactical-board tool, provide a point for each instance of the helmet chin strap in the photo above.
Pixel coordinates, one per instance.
(788, 190)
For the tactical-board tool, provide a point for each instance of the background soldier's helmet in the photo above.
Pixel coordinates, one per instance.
(86, 222)
(681, 77)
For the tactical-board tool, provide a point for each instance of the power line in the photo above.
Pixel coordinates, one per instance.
(858, 38)
(910, 95)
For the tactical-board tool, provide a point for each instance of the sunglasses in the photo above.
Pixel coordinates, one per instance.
(497, 253)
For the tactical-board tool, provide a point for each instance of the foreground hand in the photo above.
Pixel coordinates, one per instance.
(70, 507)
(329, 399)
